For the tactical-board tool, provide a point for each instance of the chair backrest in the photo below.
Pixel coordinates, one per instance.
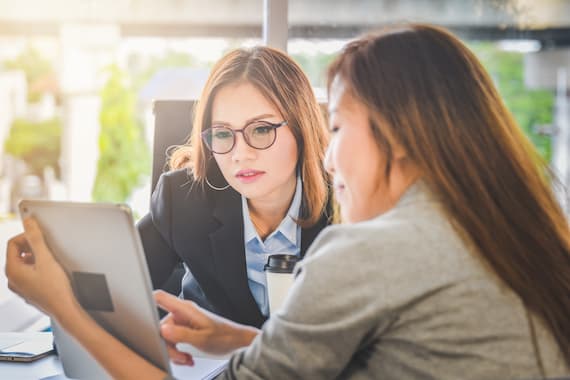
(172, 127)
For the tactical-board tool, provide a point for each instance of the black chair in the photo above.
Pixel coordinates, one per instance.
(172, 127)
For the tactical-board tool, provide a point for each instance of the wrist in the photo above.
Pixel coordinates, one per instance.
(67, 312)
(248, 335)
(243, 335)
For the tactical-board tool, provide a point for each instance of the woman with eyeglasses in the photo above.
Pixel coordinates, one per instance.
(454, 262)
(250, 182)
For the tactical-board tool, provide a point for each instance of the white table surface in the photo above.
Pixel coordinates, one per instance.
(47, 367)
(50, 368)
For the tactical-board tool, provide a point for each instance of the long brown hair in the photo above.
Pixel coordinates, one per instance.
(426, 91)
(284, 84)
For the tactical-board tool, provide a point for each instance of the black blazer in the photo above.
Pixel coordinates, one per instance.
(204, 228)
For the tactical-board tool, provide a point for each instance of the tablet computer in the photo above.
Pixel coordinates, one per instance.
(25, 347)
(99, 248)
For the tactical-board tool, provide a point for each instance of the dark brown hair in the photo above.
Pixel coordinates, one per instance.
(428, 92)
(285, 85)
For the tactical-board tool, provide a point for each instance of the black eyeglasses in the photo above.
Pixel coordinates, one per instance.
(259, 135)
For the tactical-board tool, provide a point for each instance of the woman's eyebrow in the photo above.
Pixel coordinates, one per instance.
(248, 121)
(256, 118)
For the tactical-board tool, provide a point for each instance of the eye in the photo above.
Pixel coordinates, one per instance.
(262, 129)
(333, 129)
(221, 134)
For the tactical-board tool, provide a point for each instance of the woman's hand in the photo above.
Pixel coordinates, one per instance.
(35, 275)
(188, 323)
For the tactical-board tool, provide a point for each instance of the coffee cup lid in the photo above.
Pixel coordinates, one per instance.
(281, 263)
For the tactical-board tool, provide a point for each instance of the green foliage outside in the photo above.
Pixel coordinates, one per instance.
(34, 66)
(36, 143)
(169, 60)
(124, 157)
(529, 107)
(315, 66)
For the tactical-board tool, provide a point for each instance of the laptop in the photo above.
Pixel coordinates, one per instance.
(99, 247)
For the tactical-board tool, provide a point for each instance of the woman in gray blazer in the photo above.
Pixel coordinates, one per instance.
(454, 260)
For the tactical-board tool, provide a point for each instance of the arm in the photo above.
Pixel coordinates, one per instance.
(160, 258)
(111, 353)
(155, 231)
(328, 316)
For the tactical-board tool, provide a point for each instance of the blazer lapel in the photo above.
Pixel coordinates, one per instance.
(228, 250)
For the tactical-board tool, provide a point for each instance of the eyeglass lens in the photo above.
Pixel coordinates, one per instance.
(256, 135)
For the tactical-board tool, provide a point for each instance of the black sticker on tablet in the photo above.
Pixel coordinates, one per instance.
(92, 291)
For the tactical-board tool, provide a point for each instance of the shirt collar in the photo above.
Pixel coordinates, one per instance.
(288, 227)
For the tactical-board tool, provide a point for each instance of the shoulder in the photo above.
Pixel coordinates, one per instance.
(176, 186)
(408, 230)
(177, 193)
(177, 179)
(178, 197)
(416, 241)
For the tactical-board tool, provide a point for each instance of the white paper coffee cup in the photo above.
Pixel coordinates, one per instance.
(279, 273)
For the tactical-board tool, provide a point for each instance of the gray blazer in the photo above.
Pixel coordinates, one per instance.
(397, 297)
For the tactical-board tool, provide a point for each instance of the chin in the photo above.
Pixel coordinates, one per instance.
(251, 192)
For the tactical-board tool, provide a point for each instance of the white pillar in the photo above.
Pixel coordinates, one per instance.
(561, 139)
(85, 51)
(80, 150)
(13, 100)
(275, 24)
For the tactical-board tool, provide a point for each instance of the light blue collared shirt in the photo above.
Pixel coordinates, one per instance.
(285, 239)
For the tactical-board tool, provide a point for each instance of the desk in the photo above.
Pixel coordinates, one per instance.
(49, 368)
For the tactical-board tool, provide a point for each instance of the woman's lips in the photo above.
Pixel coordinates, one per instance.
(249, 175)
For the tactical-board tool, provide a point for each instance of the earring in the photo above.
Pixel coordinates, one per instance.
(215, 187)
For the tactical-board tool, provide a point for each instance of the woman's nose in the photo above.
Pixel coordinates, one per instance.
(242, 150)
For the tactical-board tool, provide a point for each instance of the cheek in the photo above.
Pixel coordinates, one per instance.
(285, 153)
(346, 157)
(360, 169)
(223, 162)
(290, 144)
